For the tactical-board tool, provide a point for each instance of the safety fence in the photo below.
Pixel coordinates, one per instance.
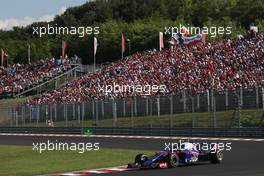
(225, 109)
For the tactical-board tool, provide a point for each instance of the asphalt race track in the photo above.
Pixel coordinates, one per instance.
(245, 159)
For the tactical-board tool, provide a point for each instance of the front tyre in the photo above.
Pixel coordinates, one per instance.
(140, 159)
(173, 160)
(216, 157)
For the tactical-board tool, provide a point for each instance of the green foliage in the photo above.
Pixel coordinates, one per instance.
(140, 21)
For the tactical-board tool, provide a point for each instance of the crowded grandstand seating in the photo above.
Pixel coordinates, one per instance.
(228, 64)
(20, 77)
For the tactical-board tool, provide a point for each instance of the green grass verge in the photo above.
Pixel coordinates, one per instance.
(249, 118)
(23, 161)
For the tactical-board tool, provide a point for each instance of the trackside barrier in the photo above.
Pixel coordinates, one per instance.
(41, 130)
(197, 132)
(209, 132)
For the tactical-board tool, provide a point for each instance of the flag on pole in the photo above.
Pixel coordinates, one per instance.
(203, 37)
(123, 43)
(29, 53)
(63, 48)
(95, 45)
(95, 49)
(161, 44)
(3, 57)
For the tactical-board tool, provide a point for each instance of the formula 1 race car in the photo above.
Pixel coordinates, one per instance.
(168, 159)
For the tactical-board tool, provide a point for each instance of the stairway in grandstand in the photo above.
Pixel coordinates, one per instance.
(42, 87)
(71, 74)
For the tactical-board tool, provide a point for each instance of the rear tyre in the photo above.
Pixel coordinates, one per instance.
(140, 159)
(173, 160)
(216, 157)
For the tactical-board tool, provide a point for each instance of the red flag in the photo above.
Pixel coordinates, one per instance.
(203, 37)
(123, 43)
(161, 44)
(63, 48)
(3, 57)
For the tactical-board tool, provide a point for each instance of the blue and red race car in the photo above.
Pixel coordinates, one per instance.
(185, 156)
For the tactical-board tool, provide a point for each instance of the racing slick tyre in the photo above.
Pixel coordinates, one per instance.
(173, 160)
(216, 157)
(140, 159)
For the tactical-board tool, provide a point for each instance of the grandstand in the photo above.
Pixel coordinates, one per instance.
(19, 79)
(222, 76)
(221, 80)
(228, 64)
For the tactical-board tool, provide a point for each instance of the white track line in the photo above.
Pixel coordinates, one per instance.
(137, 137)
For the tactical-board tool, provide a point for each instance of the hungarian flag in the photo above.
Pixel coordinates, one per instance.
(95, 45)
(2, 56)
(161, 44)
(63, 48)
(123, 43)
(189, 40)
(192, 39)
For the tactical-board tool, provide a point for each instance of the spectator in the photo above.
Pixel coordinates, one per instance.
(19, 77)
(227, 64)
